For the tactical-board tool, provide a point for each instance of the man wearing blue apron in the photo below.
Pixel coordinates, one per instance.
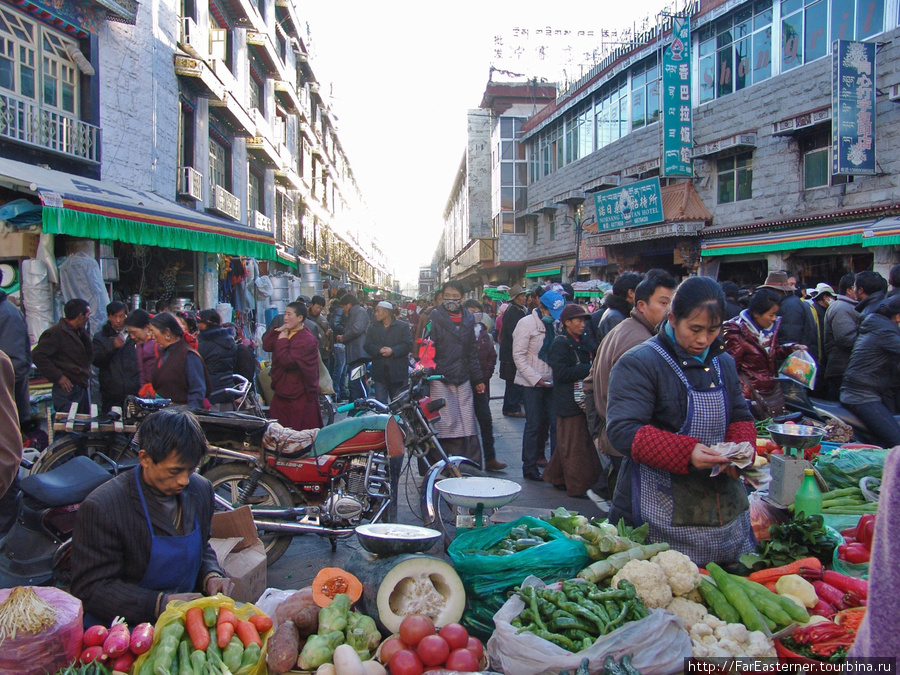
(142, 538)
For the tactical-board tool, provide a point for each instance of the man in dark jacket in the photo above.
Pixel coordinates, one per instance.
(14, 343)
(515, 311)
(870, 291)
(487, 359)
(63, 355)
(356, 322)
(115, 355)
(389, 342)
(797, 323)
(156, 548)
(336, 319)
(841, 330)
(894, 279)
(322, 331)
(617, 305)
(216, 345)
(732, 292)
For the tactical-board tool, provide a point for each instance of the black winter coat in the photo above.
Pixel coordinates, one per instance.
(872, 370)
(391, 369)
(870, 304)
(798, 325)
(513, 314)
(455, 354)
(219, 352)
(119, 374)
(570, 360)
(617, 310)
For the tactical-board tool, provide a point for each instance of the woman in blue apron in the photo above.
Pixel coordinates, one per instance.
(670, 400)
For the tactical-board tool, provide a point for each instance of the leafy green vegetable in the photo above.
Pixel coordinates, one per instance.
(567, 521)
(802, 537)
(636, 534)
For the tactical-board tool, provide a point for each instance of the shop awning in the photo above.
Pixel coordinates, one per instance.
(821, 236)
(884, 232)
(543, 270)
(82, 207)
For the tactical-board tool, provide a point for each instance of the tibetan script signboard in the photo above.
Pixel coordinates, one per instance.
(637, 203)
(678, 141)
(853, 108)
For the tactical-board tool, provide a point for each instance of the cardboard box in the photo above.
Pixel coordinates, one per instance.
(18, 245)
(240, 552)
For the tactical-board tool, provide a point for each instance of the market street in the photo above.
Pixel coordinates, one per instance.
(308, 554)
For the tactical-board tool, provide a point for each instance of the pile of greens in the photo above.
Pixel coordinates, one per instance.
(803, 537)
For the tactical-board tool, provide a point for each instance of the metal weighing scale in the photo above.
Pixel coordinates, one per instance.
(788, 469)
(476, 495)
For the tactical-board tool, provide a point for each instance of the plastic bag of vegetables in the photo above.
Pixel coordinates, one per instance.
(659, 642)
(175, 625)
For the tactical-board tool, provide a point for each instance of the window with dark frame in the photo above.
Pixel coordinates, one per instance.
(734, 175)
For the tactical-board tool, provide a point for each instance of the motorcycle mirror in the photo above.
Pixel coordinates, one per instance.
(358, 373)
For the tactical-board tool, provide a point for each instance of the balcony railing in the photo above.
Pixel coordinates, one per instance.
(223, 202)
(260, 221)
(26, 122)
(190, 183)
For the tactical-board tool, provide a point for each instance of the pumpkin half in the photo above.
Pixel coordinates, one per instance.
(333, 580)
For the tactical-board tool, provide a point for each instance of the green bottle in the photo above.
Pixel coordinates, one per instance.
(808, 498)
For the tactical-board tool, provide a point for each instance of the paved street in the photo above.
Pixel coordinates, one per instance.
(308, 554)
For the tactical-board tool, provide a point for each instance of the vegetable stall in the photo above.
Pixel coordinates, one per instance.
(561, 593)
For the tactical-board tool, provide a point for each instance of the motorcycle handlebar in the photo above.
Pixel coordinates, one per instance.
(347, 407)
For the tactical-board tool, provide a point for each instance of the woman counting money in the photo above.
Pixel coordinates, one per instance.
(670, 400)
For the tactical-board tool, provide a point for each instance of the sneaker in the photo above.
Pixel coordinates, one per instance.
(601, 503)
(495, 465)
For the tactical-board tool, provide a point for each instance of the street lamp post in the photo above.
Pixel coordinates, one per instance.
(580, 222)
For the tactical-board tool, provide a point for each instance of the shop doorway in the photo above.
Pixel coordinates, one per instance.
(750, 273)
(830, 268)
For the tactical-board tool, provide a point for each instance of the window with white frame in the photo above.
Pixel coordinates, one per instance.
(35, 63)
(551, 227)
(808, 27)
(218, 165)
(510, 178)
(816, 152)
(735, 178)
(645, 90)
(254, 194)
(611, 112)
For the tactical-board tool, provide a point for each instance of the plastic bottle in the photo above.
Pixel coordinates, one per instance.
(808, 498)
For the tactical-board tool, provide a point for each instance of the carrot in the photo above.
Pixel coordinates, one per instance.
(224, 632)
(248, 634)
(196, 628)
(262, 622)
(226, 616)
(771, 586)
(808, 565)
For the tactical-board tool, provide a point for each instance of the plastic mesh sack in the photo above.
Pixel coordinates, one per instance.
(845, 467)
(49, 650)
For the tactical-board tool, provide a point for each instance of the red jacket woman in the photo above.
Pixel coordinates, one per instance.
(295, 371)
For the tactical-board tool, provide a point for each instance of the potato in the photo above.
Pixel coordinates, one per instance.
(307, 620)
(283, 648)
(293, 604)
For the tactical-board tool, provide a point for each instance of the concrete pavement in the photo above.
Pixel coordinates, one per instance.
(308, 554)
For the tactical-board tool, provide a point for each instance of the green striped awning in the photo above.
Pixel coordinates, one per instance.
(884, 232)
(543, 270)
(787, 240)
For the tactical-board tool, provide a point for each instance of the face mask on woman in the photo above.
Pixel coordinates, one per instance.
(452, 306)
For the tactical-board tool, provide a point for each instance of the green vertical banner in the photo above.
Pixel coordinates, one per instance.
(678, 138)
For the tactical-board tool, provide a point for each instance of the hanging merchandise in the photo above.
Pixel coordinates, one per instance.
(80, 277)
(245, 300)
(263, 288)
(37, 298)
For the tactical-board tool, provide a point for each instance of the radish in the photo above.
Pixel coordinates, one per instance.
(141, 638)
(118, 640)
(95, 635)
(124, 662)
(94, 654)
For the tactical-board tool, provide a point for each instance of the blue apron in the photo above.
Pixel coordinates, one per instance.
(705, 518)
(174, 561)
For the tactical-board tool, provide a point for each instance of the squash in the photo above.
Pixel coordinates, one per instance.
(333, 580)
(396, 586)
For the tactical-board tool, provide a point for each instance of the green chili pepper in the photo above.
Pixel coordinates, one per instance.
(233, 653)
(184, 659)
(251, 655)
(198, 662)
(213, 649)
(209, 617)
(169, 637)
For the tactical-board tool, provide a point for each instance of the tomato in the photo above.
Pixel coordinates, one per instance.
(406, 662)
(455, 635)
(474, 645)
(390, 647)
(414, 627)
(461, 660)
(433, 650)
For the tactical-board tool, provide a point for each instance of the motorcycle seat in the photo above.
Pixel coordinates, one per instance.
(234, 420)
(350, 433)
(835, 409)
(67, 484)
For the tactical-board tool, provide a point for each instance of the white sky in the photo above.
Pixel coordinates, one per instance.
(404, 74)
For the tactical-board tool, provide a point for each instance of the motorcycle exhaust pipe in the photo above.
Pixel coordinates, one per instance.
(281, 527)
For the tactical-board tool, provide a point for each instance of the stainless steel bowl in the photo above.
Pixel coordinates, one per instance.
(796, 436)
(395, 539)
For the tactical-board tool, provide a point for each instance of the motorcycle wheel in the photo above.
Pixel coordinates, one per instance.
(227, 479)
(327, 408)
(115, 446)
(446, 512)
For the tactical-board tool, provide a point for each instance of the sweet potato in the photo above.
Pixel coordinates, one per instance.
(307, 620)
(283, 648)
(293, 604)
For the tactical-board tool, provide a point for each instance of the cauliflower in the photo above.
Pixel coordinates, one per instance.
(698, 650)
(682, 574)
(700, 631)
(691, 612)
(760, 645)
(733, 631)
(709, 641)
(713, 621)
(649, 581)
(695, 596)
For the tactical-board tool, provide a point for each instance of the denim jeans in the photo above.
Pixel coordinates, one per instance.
(485, 422)
(512, 397)
(540, 423)
(386, 391)
(339, 370)
(879, 422)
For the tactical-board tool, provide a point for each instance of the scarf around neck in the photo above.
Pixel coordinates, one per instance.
(549, 336)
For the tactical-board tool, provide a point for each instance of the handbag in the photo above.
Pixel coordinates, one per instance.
(326, 384)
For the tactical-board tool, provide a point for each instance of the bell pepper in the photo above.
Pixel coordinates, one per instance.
(854, 553)
(865, 530)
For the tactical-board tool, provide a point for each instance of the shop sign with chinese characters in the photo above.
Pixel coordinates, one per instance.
(677, 132)
(637, 203)
(853, 108)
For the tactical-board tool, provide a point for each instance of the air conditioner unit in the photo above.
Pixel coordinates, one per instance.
(191, 39)
(190, 183)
